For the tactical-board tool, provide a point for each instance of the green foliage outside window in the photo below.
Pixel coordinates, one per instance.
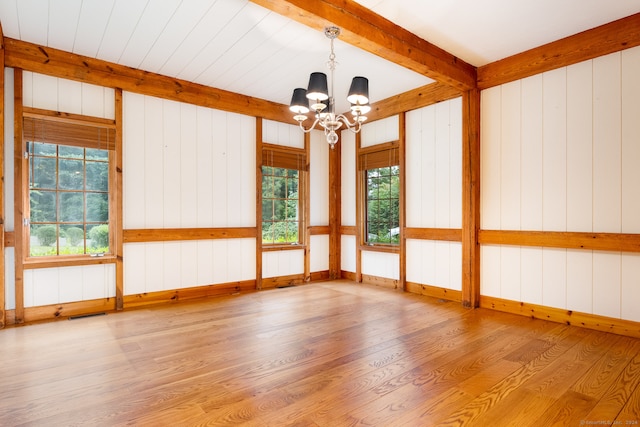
(68, 199)
(280, 205)
(383, 205)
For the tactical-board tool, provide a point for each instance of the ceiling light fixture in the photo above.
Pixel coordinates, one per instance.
(322, 101)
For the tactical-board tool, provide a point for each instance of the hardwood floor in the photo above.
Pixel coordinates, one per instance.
(326, 354)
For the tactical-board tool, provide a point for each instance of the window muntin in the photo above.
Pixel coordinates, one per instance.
(68, 200)
(280, 205)
(382, 205)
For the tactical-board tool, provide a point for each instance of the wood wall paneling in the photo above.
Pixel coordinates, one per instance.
(630, 136)
(607, 185)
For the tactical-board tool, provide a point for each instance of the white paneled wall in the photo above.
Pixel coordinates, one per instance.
(319, 178)
(380, 131)
(434, 191)
(186, 166)
(348, 178)
(45, 286)
(282, 263)
(560, 152)
(435, 263)
(381, 264)
(319, 253)
(282, 134)
(68, 96)
(157, 266)
(434, 166)
(348, 250)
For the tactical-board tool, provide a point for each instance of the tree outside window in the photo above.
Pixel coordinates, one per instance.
(68, 199)
(280, 205)
(382, 205)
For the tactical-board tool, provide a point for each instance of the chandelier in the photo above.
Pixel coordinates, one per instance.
(322, 100)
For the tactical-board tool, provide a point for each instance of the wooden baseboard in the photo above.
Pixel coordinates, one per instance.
(348, 275)
(63, 311)
(585, 320)
(381, 281)
(176, 295)
(434, 291)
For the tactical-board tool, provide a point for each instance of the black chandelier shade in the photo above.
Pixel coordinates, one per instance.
(359, 91)
(318, 91)
(299, 101)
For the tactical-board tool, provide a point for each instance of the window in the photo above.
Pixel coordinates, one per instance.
(380, 171)
(383, 205)
(68, 188)
(283, 194)
(280, 205)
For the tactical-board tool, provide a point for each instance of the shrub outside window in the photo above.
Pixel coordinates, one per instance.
(68, 200)
(382, 205)
(280, 205)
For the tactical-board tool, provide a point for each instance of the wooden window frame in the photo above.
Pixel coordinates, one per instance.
(371, 157)
(289, 158)
(71, 130)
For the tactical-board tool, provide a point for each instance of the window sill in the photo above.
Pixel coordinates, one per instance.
(67, 261)
(283, 247)
(381, 248)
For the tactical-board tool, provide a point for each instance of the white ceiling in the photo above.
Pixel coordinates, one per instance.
(241, 47)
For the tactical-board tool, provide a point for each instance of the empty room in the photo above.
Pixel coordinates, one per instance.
(320, 213)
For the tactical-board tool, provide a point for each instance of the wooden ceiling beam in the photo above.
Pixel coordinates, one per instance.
(67, 65)
(603, 40)
(411, 100)
(57, 63)
(371, 32)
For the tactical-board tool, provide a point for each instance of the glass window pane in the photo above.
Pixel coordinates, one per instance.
(71, 152)
(267, 232)
(42, 206)
(43, 240)
(267, 186)
(279, 210)
(97, 238)
(292, 232)
(97, 207)
(97, 154)
(267, 209)
(72, 239)
(44, 173)
(70, 174)
(71, 207)
(97, 176)
(42, 149)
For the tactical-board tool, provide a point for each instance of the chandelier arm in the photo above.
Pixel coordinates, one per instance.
(313, 125)
(356, 123)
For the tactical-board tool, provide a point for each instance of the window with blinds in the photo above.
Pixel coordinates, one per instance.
(68, 188)
(380, 172)
(282, 196)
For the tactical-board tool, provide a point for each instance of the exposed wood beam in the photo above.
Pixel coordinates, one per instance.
(612, 37)
(57, 63)
(175, 234)
(559, 239)
(371, 32)
(2, 219)
(412, 100)
(471, 198)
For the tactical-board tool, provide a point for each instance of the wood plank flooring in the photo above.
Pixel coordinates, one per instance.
(326, 354)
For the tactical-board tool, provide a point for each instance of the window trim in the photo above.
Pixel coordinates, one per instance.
(281, 156)
(81, 130)
(372, 157)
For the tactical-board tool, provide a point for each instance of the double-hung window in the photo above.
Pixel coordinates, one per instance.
(380, 173)
(283, 174)
(69, 176)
